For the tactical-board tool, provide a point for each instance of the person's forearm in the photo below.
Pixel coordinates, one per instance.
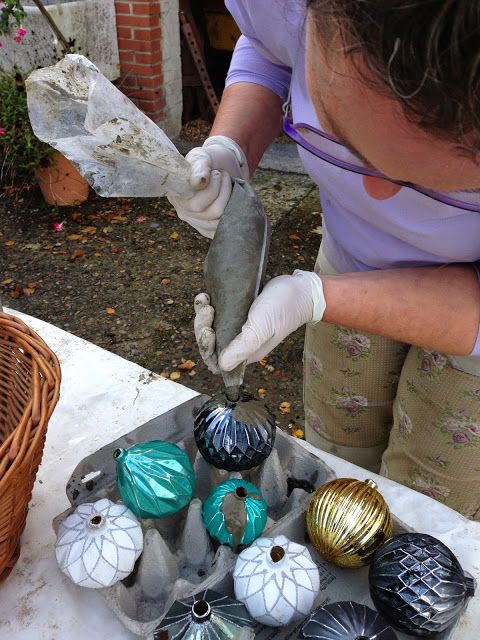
(251, 115)
(435, 308)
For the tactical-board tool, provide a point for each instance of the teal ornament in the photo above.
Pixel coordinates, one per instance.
(155, 479)
(235, 513)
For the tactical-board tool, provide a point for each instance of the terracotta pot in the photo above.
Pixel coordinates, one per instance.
(60, 182)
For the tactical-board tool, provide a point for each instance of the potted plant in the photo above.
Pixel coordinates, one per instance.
(25, 159)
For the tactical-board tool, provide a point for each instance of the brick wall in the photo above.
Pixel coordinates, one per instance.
(150, 65)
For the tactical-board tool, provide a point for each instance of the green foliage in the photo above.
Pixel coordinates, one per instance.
(21, 152)
(11, 12)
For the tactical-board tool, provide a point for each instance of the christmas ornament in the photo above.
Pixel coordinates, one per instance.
(235, 513)
(347, 520)
(155, 479)
(234, 435)
(417, 583)
(206, 616)
(98, 544)
(346, 621)
(276, 580)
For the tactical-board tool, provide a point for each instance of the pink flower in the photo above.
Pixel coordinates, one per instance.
(140, 219)
(17, 39)
(2, 131)
(461, 438)
(21, 31)
(58, 226)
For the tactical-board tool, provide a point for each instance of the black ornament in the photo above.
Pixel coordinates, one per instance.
(206, 616)
(346, 621)
(235, 436)
(417, 583)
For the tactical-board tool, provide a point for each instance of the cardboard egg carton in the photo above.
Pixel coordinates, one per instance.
(179, 557)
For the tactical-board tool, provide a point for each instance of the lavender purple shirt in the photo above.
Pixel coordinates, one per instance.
(359, 232)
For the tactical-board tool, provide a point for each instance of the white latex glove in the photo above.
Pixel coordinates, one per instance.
(284, 305)
(213, 165)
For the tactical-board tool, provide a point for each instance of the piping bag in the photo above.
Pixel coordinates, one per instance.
(121, 152)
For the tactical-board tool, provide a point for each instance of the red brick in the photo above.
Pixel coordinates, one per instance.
(141, 94)
(138, 69)
(151, 57)
(127, 56)
(123, 7)
(151, 82)
(138, 21)
(146, 8)
(128, 81)
(148, 34)
(137, 45)
(124, 33)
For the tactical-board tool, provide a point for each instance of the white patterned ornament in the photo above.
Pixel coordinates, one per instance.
(98, 544)
(277, 581)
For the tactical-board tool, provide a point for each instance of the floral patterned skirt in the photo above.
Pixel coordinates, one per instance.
(410, 413)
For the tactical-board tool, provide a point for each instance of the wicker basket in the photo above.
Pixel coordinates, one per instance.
(29, 391)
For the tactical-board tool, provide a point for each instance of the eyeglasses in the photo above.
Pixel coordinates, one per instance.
(331, 150)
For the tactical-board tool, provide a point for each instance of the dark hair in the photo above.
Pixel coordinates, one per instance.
(426, 52)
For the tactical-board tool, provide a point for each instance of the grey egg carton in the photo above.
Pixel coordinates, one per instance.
(179, 558)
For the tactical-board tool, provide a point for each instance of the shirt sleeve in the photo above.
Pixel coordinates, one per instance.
(476, 346)
(253, 60)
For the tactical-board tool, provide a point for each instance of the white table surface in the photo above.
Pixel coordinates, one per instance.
(102, 397)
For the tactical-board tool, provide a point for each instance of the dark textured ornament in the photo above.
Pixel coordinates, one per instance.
(235, 513)
(234, 435)
(206, 616)
(417, 583)
(347, 520)
(154, 479)
(346, 621)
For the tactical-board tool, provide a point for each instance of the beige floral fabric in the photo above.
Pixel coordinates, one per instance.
(377, 402)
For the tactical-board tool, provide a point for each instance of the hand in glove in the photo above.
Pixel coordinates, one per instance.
(213, 164)
(284, 305)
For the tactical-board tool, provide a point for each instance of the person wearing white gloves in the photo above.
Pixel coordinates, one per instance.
(387, 123)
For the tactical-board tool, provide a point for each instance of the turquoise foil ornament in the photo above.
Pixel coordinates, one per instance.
(235, 513)
(155, 479)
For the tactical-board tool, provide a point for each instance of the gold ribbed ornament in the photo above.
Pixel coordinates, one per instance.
(347, 520)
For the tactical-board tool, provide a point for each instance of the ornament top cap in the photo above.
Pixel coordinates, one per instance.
(371, 483)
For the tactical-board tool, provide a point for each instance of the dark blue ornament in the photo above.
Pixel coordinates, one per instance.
(346, 621)
(235, 436)
(206, 616)
(417, 583)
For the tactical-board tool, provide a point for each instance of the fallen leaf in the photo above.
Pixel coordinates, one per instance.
(107, 229)
(173, 236)
(164, 374)
(293, 236)
(116, 218)
(76, 215)
(16, 293)
(192, 373)
(187, 365)
(165, 281)
(171, 213)
(7, 281)
(10, 243)
(301, 259)
(78, 253)
(169, 301)
(74, 236)
(317, 230)
(285, 407)
(47, 247)
(263, 361)
(90, 230)
(33, 285)
(298, 433)
(175, 375)
(261, 392)
(28, 291)
(110, 310)
(140, 219)
(97, 254)
(114, 250)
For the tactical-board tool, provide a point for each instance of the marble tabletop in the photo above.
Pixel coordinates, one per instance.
(104, 396)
